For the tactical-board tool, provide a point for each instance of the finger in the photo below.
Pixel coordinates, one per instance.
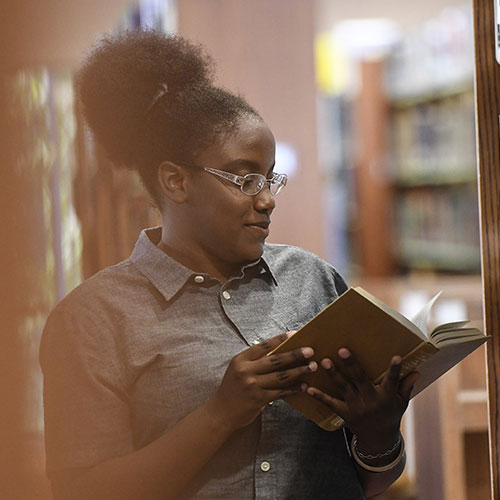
(262, 348)
(390, 382)
(338, 406)
(274, 362)
(284, 392)
(346, 391)
(352, 371)
(407, 384)
(283, 378)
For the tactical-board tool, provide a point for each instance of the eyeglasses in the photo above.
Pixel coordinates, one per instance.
(252, 184)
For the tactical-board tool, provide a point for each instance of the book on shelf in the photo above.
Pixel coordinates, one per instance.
(374, 333)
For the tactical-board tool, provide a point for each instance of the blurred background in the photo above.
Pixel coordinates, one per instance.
(372, 105)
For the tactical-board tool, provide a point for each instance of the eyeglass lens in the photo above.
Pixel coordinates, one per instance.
(254, 183)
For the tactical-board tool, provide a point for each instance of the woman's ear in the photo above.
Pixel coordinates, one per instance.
(173, 181)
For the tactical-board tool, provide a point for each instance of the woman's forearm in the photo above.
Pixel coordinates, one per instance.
(166, 466)
(163, 469)
(375, 483)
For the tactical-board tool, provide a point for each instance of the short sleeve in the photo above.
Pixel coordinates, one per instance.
(340, 284)
(86, 412)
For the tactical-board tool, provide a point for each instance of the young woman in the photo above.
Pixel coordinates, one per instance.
(157, 382)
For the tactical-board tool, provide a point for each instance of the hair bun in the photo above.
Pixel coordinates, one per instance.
(124, 73)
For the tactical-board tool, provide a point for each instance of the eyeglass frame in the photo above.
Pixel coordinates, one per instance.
(240, 179)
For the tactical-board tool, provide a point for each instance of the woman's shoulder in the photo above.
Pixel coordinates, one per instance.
(277, 254)
(107, 291)
(105, 281)
(298, 263)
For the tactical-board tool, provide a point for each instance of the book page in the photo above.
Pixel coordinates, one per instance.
(443, 360)
(455, 325)
(421, 319)
(453, 336)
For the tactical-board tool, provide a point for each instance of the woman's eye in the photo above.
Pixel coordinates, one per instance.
(249, 182)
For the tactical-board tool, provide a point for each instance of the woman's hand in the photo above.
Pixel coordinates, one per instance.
(253, 379)
(372, 412)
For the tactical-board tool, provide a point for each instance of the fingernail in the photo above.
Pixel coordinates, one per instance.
(307, 352)
(290, 333)
(327, 364)
(310, 391)
(313, 366)
(344, 353)
(396, 360)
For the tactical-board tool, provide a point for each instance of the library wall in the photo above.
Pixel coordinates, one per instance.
(274, 70)
(330, 11)
(53, 32)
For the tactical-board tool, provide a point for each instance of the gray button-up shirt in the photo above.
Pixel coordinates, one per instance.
(141, 344)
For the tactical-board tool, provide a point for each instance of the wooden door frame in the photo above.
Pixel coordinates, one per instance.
(487, 86)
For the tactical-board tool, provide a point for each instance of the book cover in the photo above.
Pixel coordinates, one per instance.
(374, 333)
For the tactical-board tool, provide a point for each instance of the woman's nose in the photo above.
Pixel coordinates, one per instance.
(264, 200)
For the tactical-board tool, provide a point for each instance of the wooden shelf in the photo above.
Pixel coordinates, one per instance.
(431, 94)
(473, 410)
(439, 255)
(447, 176)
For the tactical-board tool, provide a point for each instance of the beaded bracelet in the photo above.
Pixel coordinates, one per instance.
(383, 468)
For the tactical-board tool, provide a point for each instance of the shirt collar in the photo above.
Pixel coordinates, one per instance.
(266, 267)
(164, 272)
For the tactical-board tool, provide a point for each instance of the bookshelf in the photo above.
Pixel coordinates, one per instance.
(416, 186)
(433, 167)
(416, 126)
(432, 148)
(416, 181)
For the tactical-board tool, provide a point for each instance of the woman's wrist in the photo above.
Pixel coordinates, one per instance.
(380, 461)
(218, 417)
(375, 443)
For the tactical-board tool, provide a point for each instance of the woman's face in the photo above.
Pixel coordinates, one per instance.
(228, 226)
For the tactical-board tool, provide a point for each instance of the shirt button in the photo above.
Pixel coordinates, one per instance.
(256, 341)
(226, 294)
(199, 279)
(265, 466)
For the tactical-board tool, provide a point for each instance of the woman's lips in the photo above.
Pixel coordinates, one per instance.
(260, 228)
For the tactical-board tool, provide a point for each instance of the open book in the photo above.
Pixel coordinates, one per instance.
(374, 333)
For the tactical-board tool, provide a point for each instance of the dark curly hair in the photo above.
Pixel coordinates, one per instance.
(119, 83)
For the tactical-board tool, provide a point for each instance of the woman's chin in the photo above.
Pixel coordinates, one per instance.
(251, 254)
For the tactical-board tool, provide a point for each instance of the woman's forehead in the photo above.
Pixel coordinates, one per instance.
(251, 145)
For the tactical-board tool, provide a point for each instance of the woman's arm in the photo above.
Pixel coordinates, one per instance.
(160, 470)
(375, 483)
(373, 414)
(165, 467)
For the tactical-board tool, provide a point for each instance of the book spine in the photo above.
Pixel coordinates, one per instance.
(413, 359)
(333, 423)
(416, 357)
